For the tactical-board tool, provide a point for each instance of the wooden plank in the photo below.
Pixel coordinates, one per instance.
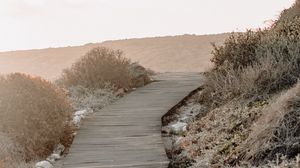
(128, 132)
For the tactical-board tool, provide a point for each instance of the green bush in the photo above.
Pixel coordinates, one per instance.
(33, 113)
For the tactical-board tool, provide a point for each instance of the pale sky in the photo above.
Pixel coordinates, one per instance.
(27, 24)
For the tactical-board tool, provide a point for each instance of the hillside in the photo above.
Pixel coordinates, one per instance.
(246, 113)
(186, 53)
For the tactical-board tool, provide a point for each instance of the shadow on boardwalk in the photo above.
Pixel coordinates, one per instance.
(128, 132)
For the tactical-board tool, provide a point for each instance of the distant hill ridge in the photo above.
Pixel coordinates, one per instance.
(184, 53)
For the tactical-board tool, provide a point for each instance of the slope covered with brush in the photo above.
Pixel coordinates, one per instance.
(252, 103)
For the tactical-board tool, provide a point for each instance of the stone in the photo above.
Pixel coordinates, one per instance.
(178, 128)
(53, 157)
(44, 164)
(59, 149)
(80, 112)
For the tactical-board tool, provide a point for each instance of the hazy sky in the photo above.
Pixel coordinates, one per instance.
(29, 24)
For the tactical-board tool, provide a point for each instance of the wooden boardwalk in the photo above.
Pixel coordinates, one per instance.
(127, 134)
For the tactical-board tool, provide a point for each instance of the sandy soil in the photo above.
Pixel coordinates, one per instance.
(186, 53)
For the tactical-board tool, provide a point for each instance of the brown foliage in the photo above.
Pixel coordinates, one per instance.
(97, 68)
(238, 50)
(254, 64)
(289, 14)
(33, 113)
(250, 69)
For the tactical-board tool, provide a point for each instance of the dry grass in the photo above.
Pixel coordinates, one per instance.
(83, 98)
(33, 114)
(212, 139)
(97, 68)
(10, 152)
(277, 132)
(254, 70)
(259, 80)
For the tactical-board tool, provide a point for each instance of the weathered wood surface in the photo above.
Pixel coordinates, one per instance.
(127, 134)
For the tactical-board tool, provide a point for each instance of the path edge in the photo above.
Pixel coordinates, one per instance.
(166, 117)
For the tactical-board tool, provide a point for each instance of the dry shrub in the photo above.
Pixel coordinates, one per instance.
(139, 74)
(266, 77)
(277, 132)
(271, 65)
(97, 67)
(251, 68)
(33, 113)
(9, 151)
(11, 154)
(289, 14)
(228, 78)
(238, 50)
(288, 29)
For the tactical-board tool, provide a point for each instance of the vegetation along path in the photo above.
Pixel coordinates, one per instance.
(128, 132)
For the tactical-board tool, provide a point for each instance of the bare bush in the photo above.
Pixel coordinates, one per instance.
(97, 67)
(33, 113)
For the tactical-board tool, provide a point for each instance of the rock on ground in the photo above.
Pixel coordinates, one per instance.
(44, 164)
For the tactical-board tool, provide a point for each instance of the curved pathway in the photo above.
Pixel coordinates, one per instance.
(127, 134)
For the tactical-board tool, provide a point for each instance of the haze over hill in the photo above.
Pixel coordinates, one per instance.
(186, 53)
